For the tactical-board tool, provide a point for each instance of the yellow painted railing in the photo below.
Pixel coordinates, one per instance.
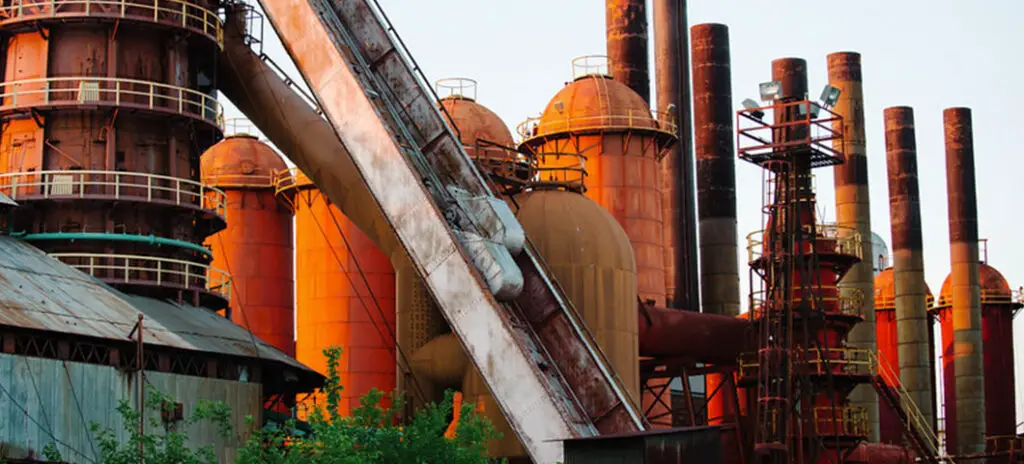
(846, 361)
(851, 304)
(30, 93)
(830, 238)
(612, 120)
(177, 13)
(851, 421)
(880, 368)
(134, 269)
(118, 185)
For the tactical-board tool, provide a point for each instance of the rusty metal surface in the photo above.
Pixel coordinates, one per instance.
(626, 33)
(669, 446)
(913, 360)
(716, 169)
(853, 209)
(672, 79)
(542, 327)
(708, 338)
(241, 161)
(966, 331)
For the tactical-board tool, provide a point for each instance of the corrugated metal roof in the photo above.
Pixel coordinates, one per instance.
(39, 292)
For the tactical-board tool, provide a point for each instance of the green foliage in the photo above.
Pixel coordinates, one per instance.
(161, 443)
(371, 433)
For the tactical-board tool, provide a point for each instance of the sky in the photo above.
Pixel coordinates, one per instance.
(927, 54)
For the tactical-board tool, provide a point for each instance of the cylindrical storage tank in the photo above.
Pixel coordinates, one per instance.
(257, 247)
(886, 332)
(345, 296)
(997, 310)
(611, 125)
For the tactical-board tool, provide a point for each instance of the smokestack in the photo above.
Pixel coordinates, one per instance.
(912, 327)
(966, 311)
(853, 209)
(672, 55)
(716, 189)
(716, 169)
(626, 23)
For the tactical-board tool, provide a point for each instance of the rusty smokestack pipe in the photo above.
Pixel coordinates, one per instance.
(716, 189)
(716, 169)
(626, 29)
(672, 54)
(912, 327)
(853, 210)
(968, 360)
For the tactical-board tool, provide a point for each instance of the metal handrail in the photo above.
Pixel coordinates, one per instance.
(1012, 444)
(290, 178)
(989, 297)
(613, 120)
(880, 368)
(570, 174)
(849, 303)
(846, 240)
(29, 93)
(889, 301)
(29, 185)
(177, 13)
(850, 420)
(845, 361)
(163, 271)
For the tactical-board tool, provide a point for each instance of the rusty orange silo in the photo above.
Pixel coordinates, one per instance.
(611, 126)
(622, 143)
(256, 248)
(345, 295)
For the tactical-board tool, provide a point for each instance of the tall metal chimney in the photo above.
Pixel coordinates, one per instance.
(968, 360)
(853, 210)
(716, 189)
(911, 296)
(672, 55)
(626, 23)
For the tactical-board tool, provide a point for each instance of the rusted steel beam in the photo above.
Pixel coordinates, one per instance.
(968, 360)
(853, 209)
(911, 293)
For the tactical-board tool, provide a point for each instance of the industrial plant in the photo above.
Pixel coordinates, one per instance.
(575, 275)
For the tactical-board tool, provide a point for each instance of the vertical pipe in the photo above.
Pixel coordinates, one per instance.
(853, 209)
(966, 312)
(672, 55)
(716, 189)
(911, 294)
(626, 23)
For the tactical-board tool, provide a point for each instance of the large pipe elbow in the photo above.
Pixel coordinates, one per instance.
(441, 361)
(702, 337)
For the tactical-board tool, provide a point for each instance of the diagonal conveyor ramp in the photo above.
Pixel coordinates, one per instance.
(535, 354)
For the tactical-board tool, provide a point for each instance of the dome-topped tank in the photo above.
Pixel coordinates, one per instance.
(484, 136)
(592, 260)
(241, 160)
(594, 102)
(885, 290)
(997, 310)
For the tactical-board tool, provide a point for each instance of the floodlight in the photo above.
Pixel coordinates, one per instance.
(829, 96)
(770, 90)
(750, 104)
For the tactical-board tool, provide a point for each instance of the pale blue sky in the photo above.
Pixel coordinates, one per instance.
(928, 54)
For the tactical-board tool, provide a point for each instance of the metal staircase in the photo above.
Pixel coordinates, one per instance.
(917, 430)
(538, 359)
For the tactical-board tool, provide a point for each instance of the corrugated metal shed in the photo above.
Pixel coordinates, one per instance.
(669, 446)
(49, 398)
(39, 292)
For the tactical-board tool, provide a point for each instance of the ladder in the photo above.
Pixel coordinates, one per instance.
(916, 428)
(531, 347)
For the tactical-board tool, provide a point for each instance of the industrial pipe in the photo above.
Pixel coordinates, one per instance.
(853, 209)
(716, 189)
(706, 338)
(679, 229)
(969, 391)
(626, 23)
(716, 169)
(911, 293)
(298, 131)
